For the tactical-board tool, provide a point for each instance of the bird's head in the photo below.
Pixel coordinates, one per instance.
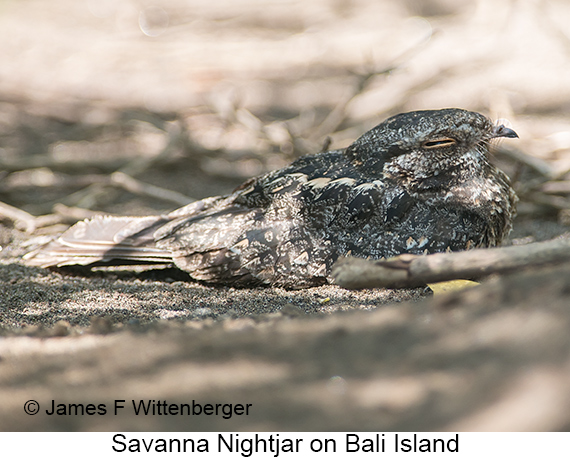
(423, 144)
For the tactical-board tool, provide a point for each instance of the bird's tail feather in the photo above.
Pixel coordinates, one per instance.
(104, 239)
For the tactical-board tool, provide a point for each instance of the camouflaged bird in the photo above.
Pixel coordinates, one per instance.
(419, 182)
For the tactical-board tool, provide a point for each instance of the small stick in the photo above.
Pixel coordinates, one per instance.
(137, 187)
(97, 192)
(72, 214)
(22, 219)
(551, 201)
(539, 165)
(44, 161)
(556, 187)
(408, 270)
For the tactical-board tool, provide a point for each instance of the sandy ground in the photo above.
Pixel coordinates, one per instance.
(195, 99)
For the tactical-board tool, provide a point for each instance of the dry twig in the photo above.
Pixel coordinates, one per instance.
(415, 271)
(22, 220)
(137, 187)
(54, 163)
(540, 166)
(556, 187)
(74, 214)
(97, 192)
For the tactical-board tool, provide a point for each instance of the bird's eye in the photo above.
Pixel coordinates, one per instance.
(439, 143)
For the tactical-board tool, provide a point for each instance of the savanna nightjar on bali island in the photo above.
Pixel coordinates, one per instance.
(419, 182)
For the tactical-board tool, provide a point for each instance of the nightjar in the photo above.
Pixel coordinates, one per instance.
(419, 182)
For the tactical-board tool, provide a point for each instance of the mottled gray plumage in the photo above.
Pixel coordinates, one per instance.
(418, 182)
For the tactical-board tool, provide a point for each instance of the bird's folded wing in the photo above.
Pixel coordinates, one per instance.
(105, 238)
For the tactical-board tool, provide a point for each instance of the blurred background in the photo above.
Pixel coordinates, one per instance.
(133, 107)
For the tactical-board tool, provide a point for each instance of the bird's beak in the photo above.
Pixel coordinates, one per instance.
(500, 131)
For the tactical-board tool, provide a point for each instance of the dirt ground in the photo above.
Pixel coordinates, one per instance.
(137, 107)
